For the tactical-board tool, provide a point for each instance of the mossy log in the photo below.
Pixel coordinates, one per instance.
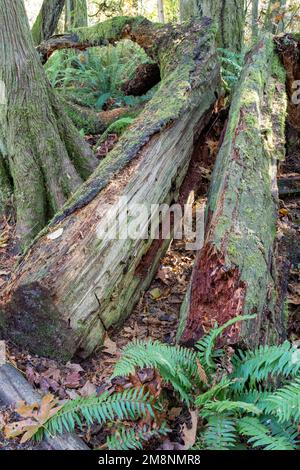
(235, 271)
(43, 154)
(73, 283)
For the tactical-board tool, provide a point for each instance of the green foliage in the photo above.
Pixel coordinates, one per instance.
(132, 439)
(97, 75)
(128, 405)
(254, 367)
(117, 127)
(231, 67)
(176, 365)
(220, 433)
(257, 405)
(260, 435)
(207, 343)
(284, 403)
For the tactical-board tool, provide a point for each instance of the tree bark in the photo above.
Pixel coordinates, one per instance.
(76, 14)
(228, 15)
(255, 10)
(43, 154)
(160, 11)
(235, 272)
(47, 20)
(74, 283)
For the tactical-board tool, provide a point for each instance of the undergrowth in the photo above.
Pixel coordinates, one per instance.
(245, 399)
(93, 77)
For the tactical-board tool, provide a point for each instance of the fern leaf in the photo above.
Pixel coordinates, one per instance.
(285, 402)
(220, 433)
(130, 404)
(128, 438)
(207, 344)
(253, 367)
(229, 406)
(260, 436)
(177, 365)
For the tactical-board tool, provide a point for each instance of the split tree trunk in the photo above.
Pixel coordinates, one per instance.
(43, 155)
(235, 272)
(74, 283)
(47, 20)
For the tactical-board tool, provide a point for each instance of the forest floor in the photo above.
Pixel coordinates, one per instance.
(156, 315)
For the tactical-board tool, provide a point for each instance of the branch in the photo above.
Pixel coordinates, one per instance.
(138, 29)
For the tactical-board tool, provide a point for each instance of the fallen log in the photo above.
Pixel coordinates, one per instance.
(235, 272)
(73, 284)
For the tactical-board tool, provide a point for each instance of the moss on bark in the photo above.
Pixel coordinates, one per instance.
(235, 271)
(47, 20)
(47, 159)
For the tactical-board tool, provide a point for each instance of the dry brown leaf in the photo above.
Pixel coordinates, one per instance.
(110, 347)
(201, 372)
(88, 389)
(36, 416)
(189, 434)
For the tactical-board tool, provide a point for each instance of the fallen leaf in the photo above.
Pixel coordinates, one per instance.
(110, 347)
(74, 367)
(155, 293)
(72, 380)
(189, 434)
(36, 416)
(88, 389)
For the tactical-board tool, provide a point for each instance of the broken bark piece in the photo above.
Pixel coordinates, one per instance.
(235, 273)
(15, 388)
(84, 282)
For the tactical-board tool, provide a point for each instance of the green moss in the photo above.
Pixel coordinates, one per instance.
(117, 127)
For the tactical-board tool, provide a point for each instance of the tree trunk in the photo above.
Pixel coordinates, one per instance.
(228, 15)
(43, 154)
(76, 14)
(255, 11)
(160, 11)
(47, 20)
(235, 272)
(75, 281)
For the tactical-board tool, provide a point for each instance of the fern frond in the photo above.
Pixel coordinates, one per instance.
(127, 438)
(229, 406)
(255, 396)
(260, 436)
(287, 430)
(175, 364)
(252, 367)
(128, 405)
(207, 344)
(220, 433)
(285, 402)
(213, 392)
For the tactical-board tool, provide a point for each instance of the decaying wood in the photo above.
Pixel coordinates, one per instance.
(15, 388)
(235, 272)
(146, 77)
(73, 285)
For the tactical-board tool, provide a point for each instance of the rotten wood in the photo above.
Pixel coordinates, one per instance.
(235, 272)
(75, 281)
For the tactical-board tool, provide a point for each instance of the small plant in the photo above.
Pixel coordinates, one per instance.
(231, 67)
(245, 400)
